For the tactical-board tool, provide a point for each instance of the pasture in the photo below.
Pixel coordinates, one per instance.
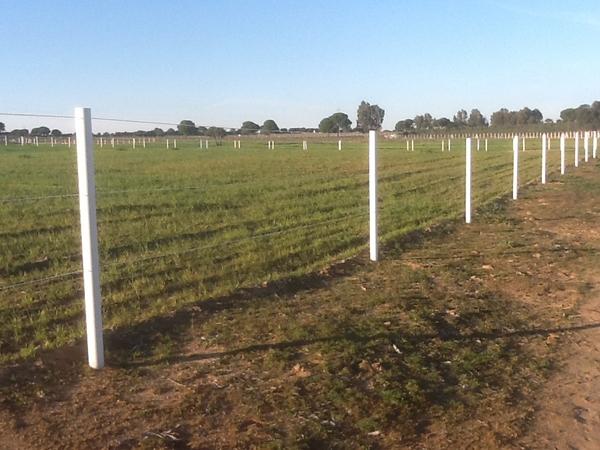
(184, 225)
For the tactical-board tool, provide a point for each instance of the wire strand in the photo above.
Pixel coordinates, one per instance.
(39, 280)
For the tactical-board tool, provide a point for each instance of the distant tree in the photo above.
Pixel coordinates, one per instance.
(202, 131)
(549, 121)
(217, 134)
(582, 116)
(249, 127)
(326, 125)
(336, 123)
(2, 127)
(476, 119)
(170, 132)
(404, 126)
(187, 128)
(443, 123)
(56, 132)
(158, 132)
(460, 118)
(269, 126)
(20, 132)
(369, 117)
(40, 131)
(424, 122)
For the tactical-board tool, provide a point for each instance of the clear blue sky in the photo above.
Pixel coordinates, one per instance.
(223, 62)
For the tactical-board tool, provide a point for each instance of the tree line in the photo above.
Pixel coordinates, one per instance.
(370, 117)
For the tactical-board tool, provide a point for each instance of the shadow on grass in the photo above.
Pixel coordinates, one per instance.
(393, 337)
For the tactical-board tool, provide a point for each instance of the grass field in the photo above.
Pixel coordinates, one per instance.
(180, 226)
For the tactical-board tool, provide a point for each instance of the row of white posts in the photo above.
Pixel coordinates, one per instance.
(89, 231)
(373, 247)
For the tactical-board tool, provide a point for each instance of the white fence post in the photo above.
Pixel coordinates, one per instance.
(486, 144)
(544, 152)
(468, 183)
(340, 145)
(515, 167)
(562, 153)
(577, 149)
(373, 195)
(586, 145)
(412, 145)
(89, 237)
(595, 145)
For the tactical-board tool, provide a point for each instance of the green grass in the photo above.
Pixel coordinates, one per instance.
(180, 226)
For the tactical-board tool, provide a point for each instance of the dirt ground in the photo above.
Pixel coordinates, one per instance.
(462, 337)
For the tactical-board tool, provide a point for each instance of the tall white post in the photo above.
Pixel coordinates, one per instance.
(412, 145)
(443, 142)
(468, 183)
(373, 195)
(586, 145)
(89, 237)
(340, 145)
(200, 144)
(6, 140)
(206, 144)
(577, 149)
(544, 152)
(595, 145)
(133, 142)
(515, 167)
(144, 142)
(562, 153)
(449, 144)
(174, 143)
(486, 144)
(524, 143)
(167, 143)
(478, 143)
(112, 142)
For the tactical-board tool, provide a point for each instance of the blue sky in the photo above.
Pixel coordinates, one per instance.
(223, 62)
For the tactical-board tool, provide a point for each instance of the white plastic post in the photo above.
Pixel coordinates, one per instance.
(69, 141)
(562, 153)
(515, 167)
(373, 195)
(586, 145)
(477, 144)
(577, 149)
(167, 144)
(89, 237)
(174, 143)
(595, 145)
(524, 145)
(468, 183)
(112, 142)
(544, 152)
(412, 145)
(200, 144)
(340, 145)
(206, 144)
(6, 140)
(144, 143)
(449, 144)
(486, 144)
(133, 142)
(443, 142)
